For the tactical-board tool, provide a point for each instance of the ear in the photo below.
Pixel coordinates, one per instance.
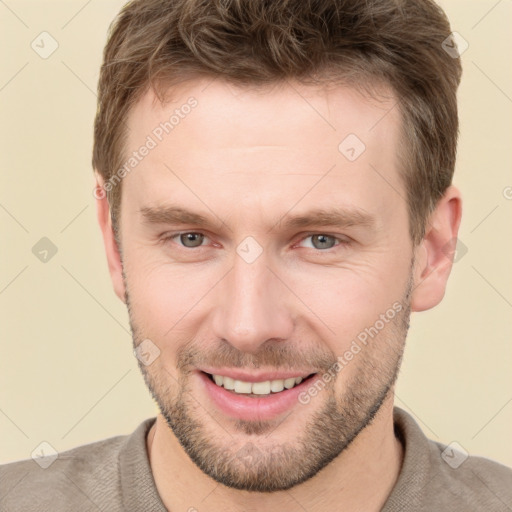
(112, 250)
(434, 255)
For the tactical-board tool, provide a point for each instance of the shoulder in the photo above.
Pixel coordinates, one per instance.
(77, 479)
(436, 476)
(470, 481)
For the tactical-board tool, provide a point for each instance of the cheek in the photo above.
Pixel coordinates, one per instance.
(163, 296)
(343, 301)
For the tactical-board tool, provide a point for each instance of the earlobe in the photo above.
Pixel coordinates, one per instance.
(115, 266)
(434, 256)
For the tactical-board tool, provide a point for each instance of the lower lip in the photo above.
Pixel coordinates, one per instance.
(254, 408)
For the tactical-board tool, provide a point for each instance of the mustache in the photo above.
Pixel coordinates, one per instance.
(277, 356)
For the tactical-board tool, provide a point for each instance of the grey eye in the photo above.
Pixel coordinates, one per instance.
(322, 241)
(191, 239)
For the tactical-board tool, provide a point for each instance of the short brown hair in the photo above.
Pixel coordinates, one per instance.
(159, 43)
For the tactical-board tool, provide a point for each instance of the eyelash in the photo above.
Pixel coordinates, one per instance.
(341, 242)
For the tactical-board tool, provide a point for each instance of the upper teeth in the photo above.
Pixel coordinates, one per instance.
(258, 388)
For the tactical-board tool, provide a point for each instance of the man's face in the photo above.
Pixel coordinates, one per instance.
(253, 291)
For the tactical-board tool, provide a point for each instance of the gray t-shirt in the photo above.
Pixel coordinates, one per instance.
(114, 475)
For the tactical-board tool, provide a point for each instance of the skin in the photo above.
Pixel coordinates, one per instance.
(250, 159)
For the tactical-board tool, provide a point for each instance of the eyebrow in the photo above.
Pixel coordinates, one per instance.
(172, 215)
(336, 217)
(332, 217)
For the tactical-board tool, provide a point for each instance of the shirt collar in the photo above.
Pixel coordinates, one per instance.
(138, 486)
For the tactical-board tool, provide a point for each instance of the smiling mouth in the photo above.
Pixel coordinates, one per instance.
(257, 389)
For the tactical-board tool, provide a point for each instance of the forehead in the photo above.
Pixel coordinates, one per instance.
(268, 142)
(287, 111)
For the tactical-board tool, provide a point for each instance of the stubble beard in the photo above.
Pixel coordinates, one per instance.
(253, 462)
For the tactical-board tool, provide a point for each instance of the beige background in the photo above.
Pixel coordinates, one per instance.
(67, 373)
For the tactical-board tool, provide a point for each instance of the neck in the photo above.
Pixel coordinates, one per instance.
(361, 477)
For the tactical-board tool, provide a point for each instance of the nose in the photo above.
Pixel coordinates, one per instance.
(251, 306)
